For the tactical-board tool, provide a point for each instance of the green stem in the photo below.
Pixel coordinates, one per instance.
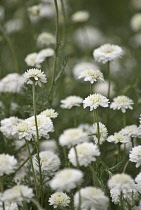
(1, 184)
(11, 48)
(125, 167)
(76, 156)
(36, 203)
(94, 176)
(132, 141)
(79, 206)
(32, 167)
(97, 122)
(64, 19)
(90, 88)
(124, 119)
(56, 50)
(118, 151)
(109, 78)
(37, 143)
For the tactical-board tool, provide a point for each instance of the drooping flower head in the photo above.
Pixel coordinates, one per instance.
(107, 52)
(122, 102)
(95, 100)
(35, 76)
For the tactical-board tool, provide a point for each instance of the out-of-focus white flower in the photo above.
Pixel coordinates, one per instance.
(122, 102)
(34, 10)
(8, 126)
(136, 22)
(103, 132)
(2, 13)
(35, 76)
(88, 37)
(8, 164)
(135, 156)
(48, 145)
(9, 206)
(71, 101)
(138, 182)
(31, 59)
(43, 54)
(122, 183)
(86, 128)
(95, 100)
(12, 83)
(66, 179)
(14, 26)
(107, 52)
(119, 138)
(102, 88)
(131, 131)
(73, 136)
(49, 113)
(80, 16)
(86, 153)
(50, 162)
(91, 198)
(92, 76)
(82, 67)
(59, 199)
(45, 39)
(17, 193)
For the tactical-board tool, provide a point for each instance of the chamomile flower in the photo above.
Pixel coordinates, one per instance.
(135, 155)
(103, 132)
(8, 164)
(71, 101)
(119, 138)
(80, 16)
(92, 76)
(59, 199)
(49, 113)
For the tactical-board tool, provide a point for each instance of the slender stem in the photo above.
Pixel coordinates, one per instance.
(125, 167)
(124, 119)
(65, 156)
(32, 167)
(109, 79)
(118, 151)
(98, 129)
(90, 88)
(132, 141)
(37, 143)
(56, 49)
(76, 156)
(64, 19)
(36, 204)
(94, 176)
(11, 48)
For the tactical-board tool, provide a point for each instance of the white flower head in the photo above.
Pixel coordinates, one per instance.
(43, 54)
(119, 138)
(82, 67)
(80, 16)
(49, 113)
(138, 182)
(50, 162)
(135, 155)
(49, 145)
(45, 39)
(107, 52)
(122, 102)
(9, 205)
(8, 164)
(59, 199)
(95, 100)
(66, 179)
(102, 131)
(14, 25)
(17, 193)
(122, 183)
(86, 153)
(31, 59)
(34, 10)
(102, 88)
(91, 198)
(71, 101)
(73, 136)
(136, 22)
(35, 75)
(131, 131)
(92, 76)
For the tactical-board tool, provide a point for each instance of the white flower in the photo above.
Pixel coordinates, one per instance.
(119, 138)
(14, 25)
(34, 10)
(66, 179)
(102, 131)
(92, 76)
(71, 101)
(59, 199)
(31, 59)
(49, 113)
(131, 131)
(82, 67)
(35, 75)
(136, 22)
(48, 145)
(17, 193)
(107, 52)
(138, 182)
(86, 153)
(102, 88)
(2, 13)
(8, 164)
(122, 102)
(85, 127)
(8, 126)
(122, 183)
(45, 39)
(50, 162)
(12, 83)
(95, 100)
(80, 16)
(43, 54)
(91, 198)
(22, 131)
(73, 136)
(135, 156)
(9, 206)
